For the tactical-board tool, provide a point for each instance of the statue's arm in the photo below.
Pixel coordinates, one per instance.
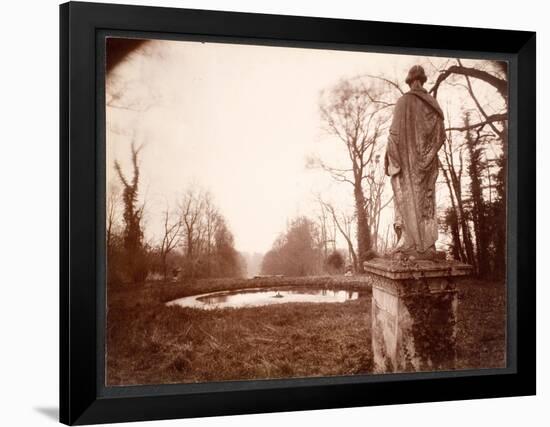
(440, 136)
(391, 160)
(392, 163)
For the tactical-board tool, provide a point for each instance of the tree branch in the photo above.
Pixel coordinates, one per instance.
(499, 84)
(490, 119)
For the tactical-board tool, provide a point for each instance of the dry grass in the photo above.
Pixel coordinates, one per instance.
(481, 329)
(150, 343)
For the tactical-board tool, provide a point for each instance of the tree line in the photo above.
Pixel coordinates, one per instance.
(300, 251)
(195, 241)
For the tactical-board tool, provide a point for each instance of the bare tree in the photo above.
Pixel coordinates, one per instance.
(206, 240)
(190, 213)
(453, 173)
(211, 222)
(327, 230)
(354, 112)
(170, 238)
(375, 181)
(343, 223)
(498, 82)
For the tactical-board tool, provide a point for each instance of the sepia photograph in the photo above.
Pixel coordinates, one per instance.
(280, 212)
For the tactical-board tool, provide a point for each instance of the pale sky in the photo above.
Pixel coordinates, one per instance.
(236, 120)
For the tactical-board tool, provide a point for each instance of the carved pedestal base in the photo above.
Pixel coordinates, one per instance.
(414, 314)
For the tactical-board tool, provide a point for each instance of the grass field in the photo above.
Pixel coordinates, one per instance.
(150, 343)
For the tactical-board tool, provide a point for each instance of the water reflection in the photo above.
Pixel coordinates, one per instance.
(261, 297)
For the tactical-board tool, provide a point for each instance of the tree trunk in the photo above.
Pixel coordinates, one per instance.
(164, 268)
(478, 207)
(363, 229)
(466, 236)
(461, 217)
(458, 250)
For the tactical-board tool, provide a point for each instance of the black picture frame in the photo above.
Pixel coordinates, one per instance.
(83, 398)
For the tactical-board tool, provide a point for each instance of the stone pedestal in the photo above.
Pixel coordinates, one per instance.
(414, 307)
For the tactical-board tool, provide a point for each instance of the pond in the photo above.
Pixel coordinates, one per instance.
(260, 297)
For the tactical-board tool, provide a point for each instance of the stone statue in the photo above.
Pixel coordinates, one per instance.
(416, 135)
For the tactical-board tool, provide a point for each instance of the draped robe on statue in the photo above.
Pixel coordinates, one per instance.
(416, 135)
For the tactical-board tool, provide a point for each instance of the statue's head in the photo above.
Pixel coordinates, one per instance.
(416, 73)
